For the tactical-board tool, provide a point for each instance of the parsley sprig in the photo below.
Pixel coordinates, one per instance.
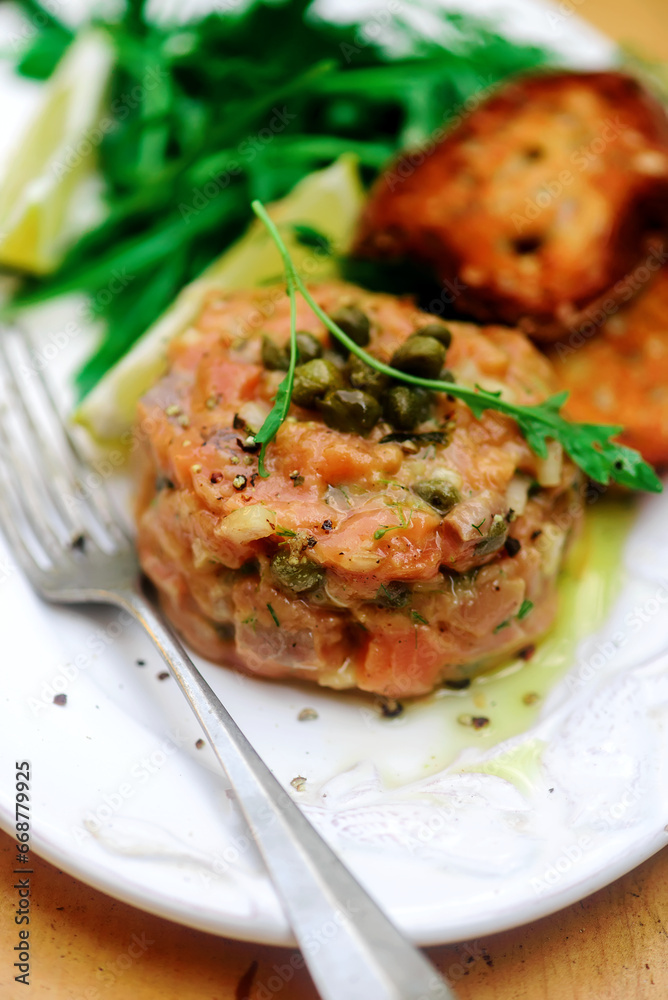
(589, 445)
(279, 410)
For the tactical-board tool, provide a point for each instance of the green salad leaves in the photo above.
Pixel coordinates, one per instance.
(241, 104)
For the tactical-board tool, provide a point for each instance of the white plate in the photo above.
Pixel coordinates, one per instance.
(454, 842)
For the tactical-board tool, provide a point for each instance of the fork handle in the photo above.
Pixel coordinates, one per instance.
(351, 948)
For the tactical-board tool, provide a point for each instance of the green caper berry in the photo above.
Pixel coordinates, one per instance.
(354, 323)
(336, 359)
(438, 332)
(495, 538)
(350, 410)
(314, 380)
(438, 493)
(308, 347)
(296, 573)
(393, 594)
(274, 358)
(363, 376)
(405, 407)
(423, 356)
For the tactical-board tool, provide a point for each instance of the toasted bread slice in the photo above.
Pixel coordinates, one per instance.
(618, 374)
(537, 204)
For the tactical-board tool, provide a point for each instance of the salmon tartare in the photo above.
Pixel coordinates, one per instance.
(398, 543)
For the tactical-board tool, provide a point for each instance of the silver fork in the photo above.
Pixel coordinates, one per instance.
(76, 553)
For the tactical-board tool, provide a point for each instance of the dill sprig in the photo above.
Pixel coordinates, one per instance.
(589, 445)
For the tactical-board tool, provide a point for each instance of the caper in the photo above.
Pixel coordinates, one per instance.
(495, 538)
(296, 573)
(354, 323)
(423, 356)
(350, 410)
(275, 358)
(308, 347)
(393, 594)
(363, 376)
(435, 330)
(405, 407)
(439, 493)
(314, 380)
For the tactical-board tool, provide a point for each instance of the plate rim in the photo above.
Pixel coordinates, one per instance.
(260, 929)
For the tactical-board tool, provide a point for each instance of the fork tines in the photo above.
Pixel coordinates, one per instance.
(45, 504)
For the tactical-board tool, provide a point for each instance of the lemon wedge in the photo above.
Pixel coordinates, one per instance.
(40, 189)
(328, 201)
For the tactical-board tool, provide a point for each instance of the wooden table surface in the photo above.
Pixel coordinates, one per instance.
(611, 946)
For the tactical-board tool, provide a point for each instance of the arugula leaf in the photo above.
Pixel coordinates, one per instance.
(589, 445)
(281, 406)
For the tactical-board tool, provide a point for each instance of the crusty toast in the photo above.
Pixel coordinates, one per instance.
(618, 373)
(537, 204)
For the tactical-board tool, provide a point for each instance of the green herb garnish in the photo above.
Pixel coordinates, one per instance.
(274, 615)
(403, 523)
(279, 411)
(589, 445)
(417, 617)
(525, 608)
(479, 525)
